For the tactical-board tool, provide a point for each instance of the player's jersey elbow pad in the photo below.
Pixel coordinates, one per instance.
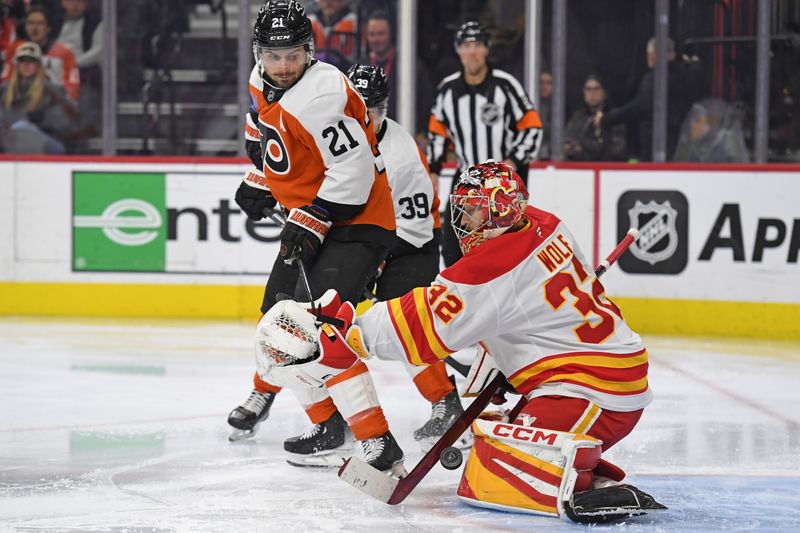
(339, 211)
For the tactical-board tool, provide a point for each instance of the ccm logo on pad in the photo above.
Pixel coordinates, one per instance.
(524, 434)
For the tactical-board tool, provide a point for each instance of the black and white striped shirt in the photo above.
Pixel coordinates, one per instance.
(493, 120)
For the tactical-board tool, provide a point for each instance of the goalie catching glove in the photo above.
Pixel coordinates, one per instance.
(253, 195)
(303, 233)
(292, 351)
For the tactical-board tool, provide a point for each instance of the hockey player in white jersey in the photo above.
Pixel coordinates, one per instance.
(414, 260)
(525, 290)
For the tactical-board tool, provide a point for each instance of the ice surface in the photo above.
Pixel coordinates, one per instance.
(120, 426)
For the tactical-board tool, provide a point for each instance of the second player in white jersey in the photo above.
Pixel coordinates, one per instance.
(414, 260)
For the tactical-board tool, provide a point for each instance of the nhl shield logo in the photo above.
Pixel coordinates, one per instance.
(662, 218)
(490, 113)
(656, 222)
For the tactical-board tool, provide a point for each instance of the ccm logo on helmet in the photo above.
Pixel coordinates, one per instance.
(276, 158)
(524, 434)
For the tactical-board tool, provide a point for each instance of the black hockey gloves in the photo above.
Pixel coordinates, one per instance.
(303, 233)
(253, 149)
(253, 195)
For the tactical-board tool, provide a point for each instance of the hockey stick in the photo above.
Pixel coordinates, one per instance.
(623, 245)
(377, 484)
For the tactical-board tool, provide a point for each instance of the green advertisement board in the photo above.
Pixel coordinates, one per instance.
(119, 222)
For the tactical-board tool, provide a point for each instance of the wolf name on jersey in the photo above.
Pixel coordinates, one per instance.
(531, 297)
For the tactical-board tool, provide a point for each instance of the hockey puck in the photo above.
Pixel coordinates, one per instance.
(451, 458)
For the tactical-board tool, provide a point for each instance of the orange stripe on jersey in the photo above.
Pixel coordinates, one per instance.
(609, 373)
(436, 127)
(529, 120)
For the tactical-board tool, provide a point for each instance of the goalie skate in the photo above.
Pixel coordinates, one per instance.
(245, 419)
(609, 504)
(324, 445)
(443, 414)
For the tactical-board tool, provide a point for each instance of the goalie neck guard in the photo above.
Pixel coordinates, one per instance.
(488, 200)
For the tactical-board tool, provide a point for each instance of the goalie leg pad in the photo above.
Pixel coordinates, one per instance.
(354, 394)
(525, 469)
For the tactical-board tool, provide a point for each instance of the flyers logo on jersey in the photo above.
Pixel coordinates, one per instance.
(276, 157)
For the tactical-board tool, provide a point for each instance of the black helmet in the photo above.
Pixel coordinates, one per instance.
(472, 31)
(282, 24)
(371, 82)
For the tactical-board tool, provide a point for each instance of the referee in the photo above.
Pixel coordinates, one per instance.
(485, 113)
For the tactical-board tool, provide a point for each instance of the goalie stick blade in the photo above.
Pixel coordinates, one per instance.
(393, 491)
(368, 479)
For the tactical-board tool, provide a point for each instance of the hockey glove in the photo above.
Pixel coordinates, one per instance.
(254, 196)
(303, 233)
(340, 347)
(253, 149)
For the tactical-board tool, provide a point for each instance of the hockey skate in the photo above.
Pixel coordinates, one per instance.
(443, 414)
(327, 444)
(608, 504)
(384, 454)
(246, 418)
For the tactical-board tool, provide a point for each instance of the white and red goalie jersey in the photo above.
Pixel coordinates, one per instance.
(532, 298)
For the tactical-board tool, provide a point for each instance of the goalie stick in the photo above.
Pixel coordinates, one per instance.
(381, 486)
(387, 489)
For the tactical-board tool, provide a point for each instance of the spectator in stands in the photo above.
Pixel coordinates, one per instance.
(35, 113)
(335, 28)
(685, 86)
(82, 32)
(545, 111)
(58, 60)
(381, 52)
(712, 133)
(583, 141)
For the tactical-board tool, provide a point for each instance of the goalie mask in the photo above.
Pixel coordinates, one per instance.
(488, 199)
